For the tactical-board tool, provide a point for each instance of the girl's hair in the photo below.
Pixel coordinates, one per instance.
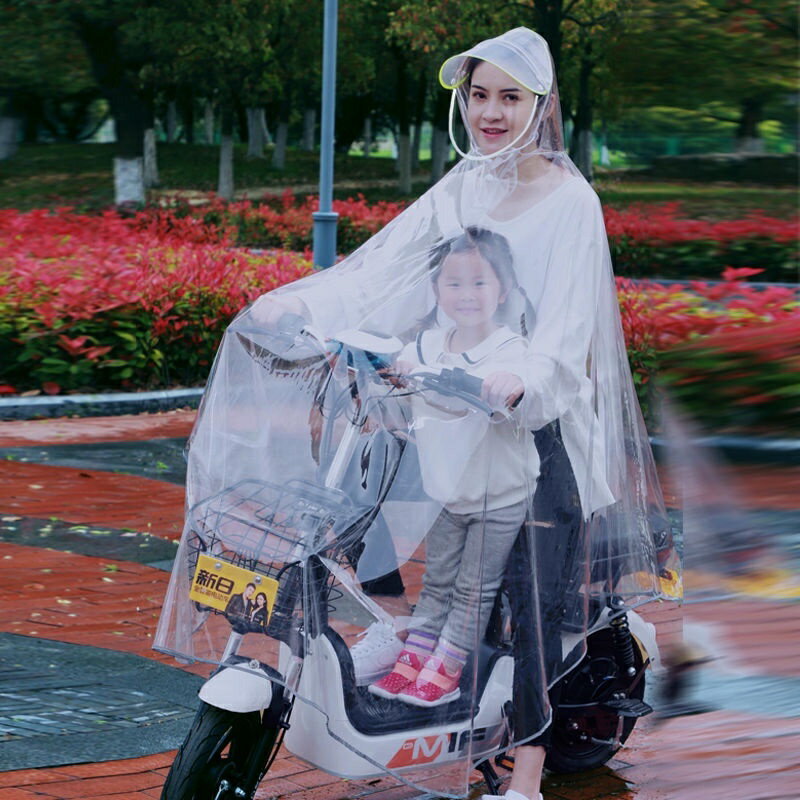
(492, 247)
(496, 251)
(261, 594)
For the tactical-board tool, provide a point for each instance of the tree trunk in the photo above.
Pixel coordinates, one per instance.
(281, 136)
(309, 129)
(404, 163)
(419, 116)
(584, 151)
(582, 142)
(367, 136)
(9, 136)
(440, 138)
(240, 120)
(101, 41)
(225, 182)
(440, 149)
(185, 104)
(605, 155)
(149, 157)
(208, 122)
(262, 121)
(255, 133)
(128, 181)
(172, 121)
(30, 109)
(547, 18)
(416, 144)
(150, 160)
(279, 153)
(403, 127)
(748, 137)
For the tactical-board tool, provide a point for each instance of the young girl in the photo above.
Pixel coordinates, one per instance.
(483, 508)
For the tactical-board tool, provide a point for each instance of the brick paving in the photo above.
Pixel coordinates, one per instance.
(114, 603)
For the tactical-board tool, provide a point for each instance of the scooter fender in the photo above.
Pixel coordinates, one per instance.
(239, 687)
(644, 633)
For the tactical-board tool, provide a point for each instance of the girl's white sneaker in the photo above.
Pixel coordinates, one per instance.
(509, 795)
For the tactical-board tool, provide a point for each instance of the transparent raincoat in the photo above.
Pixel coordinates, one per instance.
(349, 452)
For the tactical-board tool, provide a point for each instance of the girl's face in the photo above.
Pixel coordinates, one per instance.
(498, 108)
(469, 291)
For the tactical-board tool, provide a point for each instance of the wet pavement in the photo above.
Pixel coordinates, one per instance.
(67, 703)
(162, 459)
(89, 514)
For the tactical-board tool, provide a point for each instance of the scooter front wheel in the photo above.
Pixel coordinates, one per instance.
(218, 753)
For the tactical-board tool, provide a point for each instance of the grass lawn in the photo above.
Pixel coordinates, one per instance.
(49, 175)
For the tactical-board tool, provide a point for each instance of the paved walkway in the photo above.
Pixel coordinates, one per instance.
(84, 551)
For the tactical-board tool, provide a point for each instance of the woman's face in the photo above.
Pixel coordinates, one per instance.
(498, 108)
(468, 289)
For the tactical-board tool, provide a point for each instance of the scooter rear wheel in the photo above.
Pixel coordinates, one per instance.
(218, 747)
(584, 740)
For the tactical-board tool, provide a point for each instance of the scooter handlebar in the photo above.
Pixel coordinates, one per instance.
(455, 382)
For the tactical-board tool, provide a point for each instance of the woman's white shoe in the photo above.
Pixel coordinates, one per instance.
(509, 795)
(375, 653)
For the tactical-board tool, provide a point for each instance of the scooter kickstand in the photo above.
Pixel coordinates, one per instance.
(489, 776)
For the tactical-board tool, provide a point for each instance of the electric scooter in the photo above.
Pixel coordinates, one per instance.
(295, 543)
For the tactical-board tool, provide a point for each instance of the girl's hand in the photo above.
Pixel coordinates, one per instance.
(502, 389)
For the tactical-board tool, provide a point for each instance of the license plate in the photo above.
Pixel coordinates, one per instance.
(233, 590)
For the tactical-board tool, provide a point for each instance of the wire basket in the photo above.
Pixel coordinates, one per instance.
(262, 526)
(271, 530)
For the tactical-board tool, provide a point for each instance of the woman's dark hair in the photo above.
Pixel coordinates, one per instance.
(469, 67)
(261, 594)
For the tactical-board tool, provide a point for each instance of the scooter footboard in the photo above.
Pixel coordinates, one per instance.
(320, 725)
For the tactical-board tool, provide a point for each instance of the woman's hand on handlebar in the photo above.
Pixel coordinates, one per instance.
(268, 309)
(502, 389)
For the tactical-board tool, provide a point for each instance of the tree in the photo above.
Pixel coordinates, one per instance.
(578, 33)
(591, 27)
(45, 80)
(116, 58)
(730, 53)
(220, 48)
(431, 32)
(295, 33)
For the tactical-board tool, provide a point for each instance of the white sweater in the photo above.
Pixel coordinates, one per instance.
(560, 256)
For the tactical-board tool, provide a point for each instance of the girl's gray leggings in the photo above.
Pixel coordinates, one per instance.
(466, 557)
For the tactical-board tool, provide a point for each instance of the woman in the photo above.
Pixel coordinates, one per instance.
(259, 613)
(594, 494)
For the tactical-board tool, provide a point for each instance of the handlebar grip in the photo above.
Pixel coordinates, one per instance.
(466, 383)
(457, 382)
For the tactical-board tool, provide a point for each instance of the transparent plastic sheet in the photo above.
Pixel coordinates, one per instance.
(330, 482)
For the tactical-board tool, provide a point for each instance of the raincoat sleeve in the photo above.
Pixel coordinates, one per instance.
(389, 266)
(556, 370)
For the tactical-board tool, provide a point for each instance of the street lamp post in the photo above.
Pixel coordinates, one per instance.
(325, 218)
